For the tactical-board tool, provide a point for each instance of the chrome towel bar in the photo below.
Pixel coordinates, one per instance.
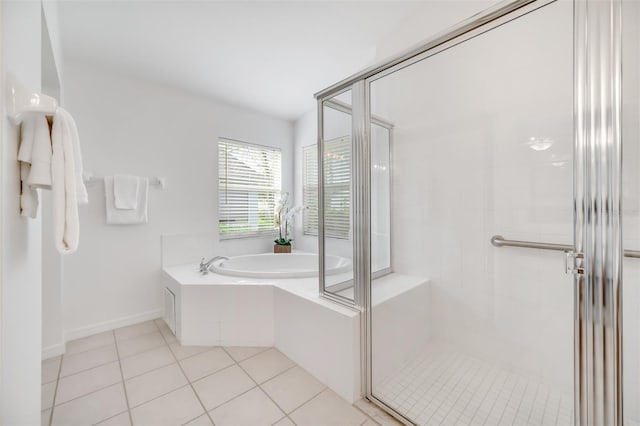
(499, 241)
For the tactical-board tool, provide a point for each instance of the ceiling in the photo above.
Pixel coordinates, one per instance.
(264, 55)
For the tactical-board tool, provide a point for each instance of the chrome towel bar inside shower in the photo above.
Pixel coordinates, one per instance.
(500, 241)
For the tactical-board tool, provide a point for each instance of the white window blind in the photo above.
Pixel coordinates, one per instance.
(337, 188)
(249, 185)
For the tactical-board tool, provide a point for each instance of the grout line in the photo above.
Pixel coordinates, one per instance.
(187, 377)
(266, 348)
(91, 368)
(91, 349)
(308, 400)
(109, 418)
(88, 393)
(235, 397)
(366, 415)
(55, 392)
(114, 337)
(126, 396)
(271, 378)
(112, 384)
(160, 396)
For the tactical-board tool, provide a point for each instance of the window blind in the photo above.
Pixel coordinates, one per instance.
(337, 188)
(249, 185)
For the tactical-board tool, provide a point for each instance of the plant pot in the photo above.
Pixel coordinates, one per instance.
(277, 248)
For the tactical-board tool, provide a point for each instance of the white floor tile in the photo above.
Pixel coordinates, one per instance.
(327, 409)
(47, 394)
(135, 330)
(205, 363)
(154, 383)
(79, 384)
(222, 386)
(284, 422)
(92, 408)
(292, 388)
(265, 365)
(138, 344)
(444, 385)
(91, 342)
(119, 420)
(203, 420)
(50, 368)
(236, 412)
(146, 361)
(166, 331)
(240, 353)
(182, 352)
(175, 408)
(86, 360)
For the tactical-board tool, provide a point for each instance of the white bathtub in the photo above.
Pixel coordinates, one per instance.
(272, 265)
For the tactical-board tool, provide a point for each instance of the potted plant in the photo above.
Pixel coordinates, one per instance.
(284, 217)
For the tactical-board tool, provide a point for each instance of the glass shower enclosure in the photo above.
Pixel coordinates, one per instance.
(483, 199)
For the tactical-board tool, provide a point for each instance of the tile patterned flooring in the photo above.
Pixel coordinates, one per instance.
(141, 375)
(447, 387)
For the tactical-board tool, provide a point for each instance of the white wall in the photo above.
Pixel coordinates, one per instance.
(20, 287)
(134, 127)
(52, 65)
(427, 20)
(305, 133)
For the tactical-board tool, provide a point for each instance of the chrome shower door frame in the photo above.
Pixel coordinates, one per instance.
(598, 398)
(596, 198)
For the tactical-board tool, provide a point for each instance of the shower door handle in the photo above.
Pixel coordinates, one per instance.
(571, 261)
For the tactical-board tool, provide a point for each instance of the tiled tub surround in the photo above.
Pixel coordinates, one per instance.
(142, 375)
(319, 335)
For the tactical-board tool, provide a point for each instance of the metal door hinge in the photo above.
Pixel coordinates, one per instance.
(573, 263)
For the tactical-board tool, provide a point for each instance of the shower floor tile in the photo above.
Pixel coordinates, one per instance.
(448, 387)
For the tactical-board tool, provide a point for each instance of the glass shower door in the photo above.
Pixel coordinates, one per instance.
(463, 332)
(336, 221)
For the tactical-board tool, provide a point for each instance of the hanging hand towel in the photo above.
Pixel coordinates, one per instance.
(64, 186)
(40, 174)
(125, 192)
(81, 189)
(27, 133)
(126, 217)
(28, 195)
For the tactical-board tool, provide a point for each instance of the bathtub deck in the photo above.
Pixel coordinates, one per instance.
(321, 336)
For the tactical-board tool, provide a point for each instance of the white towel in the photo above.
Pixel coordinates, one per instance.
(64, 186)
(28, 195)
(81, 189)
(125, 192)
(27, 132)
(40, 174)
(126, 217)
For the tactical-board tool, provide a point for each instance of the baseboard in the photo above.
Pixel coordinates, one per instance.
(53, 351)
(100, 327)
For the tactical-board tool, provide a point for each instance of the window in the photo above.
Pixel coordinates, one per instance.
(249, 184)
(337, 188)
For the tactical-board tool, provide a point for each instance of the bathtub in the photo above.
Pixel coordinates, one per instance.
(272, 265)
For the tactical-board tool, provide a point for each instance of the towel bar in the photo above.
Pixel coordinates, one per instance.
(499, 241)
(89, 179)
